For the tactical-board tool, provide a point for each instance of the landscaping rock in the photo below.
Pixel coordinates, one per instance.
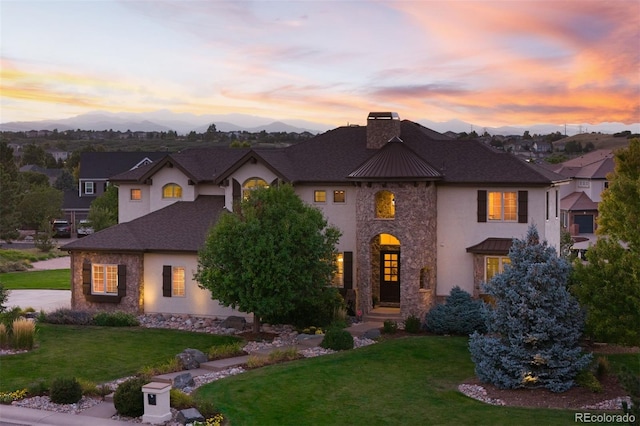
(191, 358)
(235, 322)
(189, 415)
(371, 334)
(183, 380)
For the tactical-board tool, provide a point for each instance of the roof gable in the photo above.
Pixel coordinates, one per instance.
(103, 165)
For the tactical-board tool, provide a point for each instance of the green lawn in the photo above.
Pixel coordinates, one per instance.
(409, 381)
(59, 279)
(97, 354)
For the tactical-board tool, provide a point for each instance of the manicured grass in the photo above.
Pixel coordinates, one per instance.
(97, 354)
(58, 279)
(408, 381)
(32, 254)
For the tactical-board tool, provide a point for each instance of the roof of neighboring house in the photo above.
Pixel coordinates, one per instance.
(51, 174)
(71, 201)
(578, 201)
(189, 225)
(492, 246)
(592, 165)
(334, 155)
(103, 165)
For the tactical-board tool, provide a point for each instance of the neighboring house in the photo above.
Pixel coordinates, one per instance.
(580, 199)
(97, 167)
(420, 213)
(51, 174)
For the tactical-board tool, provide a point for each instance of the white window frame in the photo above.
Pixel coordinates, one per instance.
(502, 206)
(100, 275)
(501, 263)
(584, 183)
(89, 188)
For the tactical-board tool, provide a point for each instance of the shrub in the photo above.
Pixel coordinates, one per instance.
(69, 317)
(225, 351)
(280, 355)
(337, 339)
(170, 366)
(23, 334)
(4, 295)
(587, 380)
(207, 409)
(65, 391)
(412, 324)
(9, 317)
(9, 397)
(115, 319)
(389, 327)
(256, 361)
(459, 315)
(129, 399)
(4, 336)
(180, 400)
(320, 310)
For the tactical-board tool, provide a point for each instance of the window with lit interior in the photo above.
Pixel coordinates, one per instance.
(502, 206)
(385, 205)
(494, 265)
(177, 281)
(251, 185)
(172, 190)
(338, 276)
(339, 196)
(136, 194)
(104, 279)
(320, 196)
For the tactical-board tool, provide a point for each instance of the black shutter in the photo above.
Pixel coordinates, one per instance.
(347, 265)
(482, 205)
(523, 206)
(236, 192)
(86, 278)
(122, 280)
(166, 281)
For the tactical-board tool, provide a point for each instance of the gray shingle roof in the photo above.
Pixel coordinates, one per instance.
(180, 227)
(103, 165)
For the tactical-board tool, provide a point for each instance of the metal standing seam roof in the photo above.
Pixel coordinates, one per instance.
(492, 246)
(395, 161)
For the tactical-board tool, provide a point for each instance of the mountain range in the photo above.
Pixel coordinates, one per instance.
(183, 123)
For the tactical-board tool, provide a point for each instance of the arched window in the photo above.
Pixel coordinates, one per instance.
(385, 205)
(251, 184)
(172, 190)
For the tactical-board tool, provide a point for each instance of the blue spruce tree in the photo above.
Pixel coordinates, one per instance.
(535, 324)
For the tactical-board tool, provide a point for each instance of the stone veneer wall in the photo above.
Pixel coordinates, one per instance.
(415, 226)
(131, 302)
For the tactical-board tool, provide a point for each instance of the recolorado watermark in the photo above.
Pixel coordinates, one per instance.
(603, 418)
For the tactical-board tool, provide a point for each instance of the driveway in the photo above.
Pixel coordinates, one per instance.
(43, 300)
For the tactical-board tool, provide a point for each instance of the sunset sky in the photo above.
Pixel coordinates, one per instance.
(488, 62)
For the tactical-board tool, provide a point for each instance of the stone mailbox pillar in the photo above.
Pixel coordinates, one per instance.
(156, 402)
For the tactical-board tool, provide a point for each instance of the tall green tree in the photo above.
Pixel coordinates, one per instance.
(103, 212)
(608, 285)
(273, 256)
(9, 194)
(39, 205)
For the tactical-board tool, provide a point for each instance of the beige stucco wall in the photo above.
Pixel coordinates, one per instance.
(169, 175)
(129, 209)
(458, 229)
(196, 301)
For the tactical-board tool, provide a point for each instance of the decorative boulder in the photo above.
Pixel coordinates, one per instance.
(191, 358)
(183, 380)
(189, 415)
(234, 322)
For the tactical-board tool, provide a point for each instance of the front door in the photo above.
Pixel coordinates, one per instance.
(390, 277)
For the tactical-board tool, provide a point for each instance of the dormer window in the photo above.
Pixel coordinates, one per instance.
(251, 185)
(172, 190)
(385, 205)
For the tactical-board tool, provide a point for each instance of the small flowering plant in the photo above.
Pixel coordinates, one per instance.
(9, 397)
(359, 315)
(212, 421)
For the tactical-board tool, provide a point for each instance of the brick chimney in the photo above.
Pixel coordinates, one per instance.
(382, 127)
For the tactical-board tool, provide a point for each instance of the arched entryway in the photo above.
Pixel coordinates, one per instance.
(385, 270)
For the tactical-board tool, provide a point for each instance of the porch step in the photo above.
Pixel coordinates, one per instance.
(382, 314)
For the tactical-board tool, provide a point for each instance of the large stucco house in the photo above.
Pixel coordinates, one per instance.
(420, 213)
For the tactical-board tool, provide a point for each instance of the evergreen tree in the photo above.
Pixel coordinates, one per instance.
(535, 324)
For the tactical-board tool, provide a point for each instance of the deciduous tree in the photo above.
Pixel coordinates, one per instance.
(103, 212)
(273, 256)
